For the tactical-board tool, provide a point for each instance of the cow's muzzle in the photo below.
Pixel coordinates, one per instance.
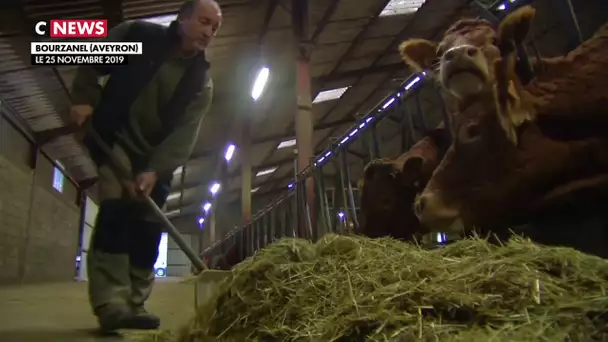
(434, 214)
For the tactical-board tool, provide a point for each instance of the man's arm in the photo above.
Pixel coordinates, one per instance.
(85, 87)
(176, 149)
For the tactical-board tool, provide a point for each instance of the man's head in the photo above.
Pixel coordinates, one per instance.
(468, 50)
(199, 21)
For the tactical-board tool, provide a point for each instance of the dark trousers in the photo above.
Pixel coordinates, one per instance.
(124, 245)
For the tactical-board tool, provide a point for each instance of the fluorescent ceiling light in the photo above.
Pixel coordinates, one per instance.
(266, 172)
(256, 189)
(329, 95)
(163, 20)
(399, 7)
(229, 152)
(173, 212)
(173, 196)
(201, 220)
(287, 143)
(260, 83)
(206, 206)
(214, 188)
(178, 170)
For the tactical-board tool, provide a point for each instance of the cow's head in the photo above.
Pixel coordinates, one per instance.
(385, 200)
(389, 188)
(499, 163)
(467, 52)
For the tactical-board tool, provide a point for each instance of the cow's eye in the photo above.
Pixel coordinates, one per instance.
(469, 133)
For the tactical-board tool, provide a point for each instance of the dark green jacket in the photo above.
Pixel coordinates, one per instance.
(143, 119)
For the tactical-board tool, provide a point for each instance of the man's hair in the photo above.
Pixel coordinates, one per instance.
(188, 7)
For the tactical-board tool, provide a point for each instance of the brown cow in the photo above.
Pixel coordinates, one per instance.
(467, 51)
(561, 150)
(390, 187)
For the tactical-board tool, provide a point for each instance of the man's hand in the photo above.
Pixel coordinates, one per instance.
(130, 188)
(145, 182)
(80, 113)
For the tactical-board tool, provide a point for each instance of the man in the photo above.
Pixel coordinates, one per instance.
(149, 112)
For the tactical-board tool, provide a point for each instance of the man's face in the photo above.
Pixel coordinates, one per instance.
(200, 27)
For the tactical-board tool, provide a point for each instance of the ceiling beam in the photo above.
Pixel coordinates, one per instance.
(112, 10)
(329, 12)
(396, 40)
(46, 136)
(359, 38)
(272, 7)
(277, 137)
(301, 32)
(321, 81)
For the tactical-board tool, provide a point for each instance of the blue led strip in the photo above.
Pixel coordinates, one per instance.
(403, 92)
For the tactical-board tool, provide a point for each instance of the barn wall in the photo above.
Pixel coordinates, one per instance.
(39, 226)
(178, 264)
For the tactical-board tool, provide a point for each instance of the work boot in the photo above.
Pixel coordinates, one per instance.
(112, 318)
(143, 314)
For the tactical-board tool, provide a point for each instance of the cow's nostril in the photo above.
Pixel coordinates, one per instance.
(472, 51)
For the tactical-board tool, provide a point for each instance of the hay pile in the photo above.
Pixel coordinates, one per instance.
(359, 289)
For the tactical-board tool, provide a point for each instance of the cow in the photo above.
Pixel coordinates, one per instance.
(559, 156)
(467, 51)
(389, 188)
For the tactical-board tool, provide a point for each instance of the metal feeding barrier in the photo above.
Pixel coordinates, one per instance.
(289, 214)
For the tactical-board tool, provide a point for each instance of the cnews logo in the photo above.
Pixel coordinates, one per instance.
(74, 28)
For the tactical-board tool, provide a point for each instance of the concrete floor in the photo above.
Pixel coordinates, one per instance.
(60, 312)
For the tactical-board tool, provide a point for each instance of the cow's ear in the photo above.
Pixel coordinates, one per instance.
(418, 54)
(514, 28)
(411, 172)
(375, 167)
(511, 111)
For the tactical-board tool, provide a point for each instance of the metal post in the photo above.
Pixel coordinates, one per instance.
(343, 186)
(294, 219)
(349, 190)
(375, 147)
(245, 159)
(250, 242)
(568, 13)
(212, 226)
(406, 130)
(273, 224)
(304, 115)
(240, 244)
(308, 210)
(420, 113)
(260, 231)
(324, 205)
(288, 218)
(266, 228)
(256, 240)
(282, 219)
